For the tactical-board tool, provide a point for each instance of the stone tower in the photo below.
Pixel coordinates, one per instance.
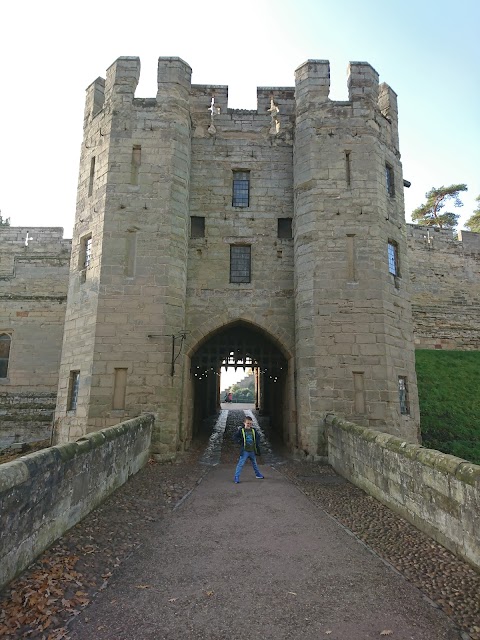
(129, 256)
(353, 326)
(205, 233)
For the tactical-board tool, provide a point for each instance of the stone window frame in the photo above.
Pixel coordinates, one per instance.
(85, 255)
(197, 227)
(237, 274)
(403, 395)
(393, 258)
(73, 388)
(284, 228)
(390, 180)
(241, 188)
(91, 176)
(5, 337)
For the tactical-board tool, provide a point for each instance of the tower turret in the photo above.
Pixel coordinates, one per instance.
(128, 270)
(354, 342)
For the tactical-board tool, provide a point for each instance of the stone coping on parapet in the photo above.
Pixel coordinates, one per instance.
(19, 470)
(461, 469)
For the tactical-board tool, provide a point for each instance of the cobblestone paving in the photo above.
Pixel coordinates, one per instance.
(65, 579)
(446, 580)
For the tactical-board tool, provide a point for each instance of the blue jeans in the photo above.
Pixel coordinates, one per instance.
(241, 461)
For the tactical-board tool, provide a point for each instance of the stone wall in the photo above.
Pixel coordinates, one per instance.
(34, 264)
(45, 493)
(26, 416)
(445, 288)
(438, 493)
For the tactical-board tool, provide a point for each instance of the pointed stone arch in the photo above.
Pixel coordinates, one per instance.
(272, 331)
(269, 350)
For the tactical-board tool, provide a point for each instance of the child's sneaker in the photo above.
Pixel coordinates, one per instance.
(260, 477)
(236, 480)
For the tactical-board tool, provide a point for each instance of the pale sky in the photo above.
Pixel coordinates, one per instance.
(427, 50)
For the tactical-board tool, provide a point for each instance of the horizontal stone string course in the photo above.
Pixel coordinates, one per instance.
(45, 493)
(436, 492)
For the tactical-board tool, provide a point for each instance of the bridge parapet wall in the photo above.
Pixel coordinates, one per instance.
(45, 493)
(436, 492)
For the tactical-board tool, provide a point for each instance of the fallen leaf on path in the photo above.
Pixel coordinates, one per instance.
(292, 593)
(327, 633)
(386, 632)
(210, 593)
(173, 599)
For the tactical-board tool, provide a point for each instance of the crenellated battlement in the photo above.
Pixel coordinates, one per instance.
(312, 86)
(30, 245)
(33, 237)
(444, 240)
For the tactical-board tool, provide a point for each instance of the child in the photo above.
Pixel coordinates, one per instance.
(248, 437)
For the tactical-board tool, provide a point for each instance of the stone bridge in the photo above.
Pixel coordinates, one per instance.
(259, 549)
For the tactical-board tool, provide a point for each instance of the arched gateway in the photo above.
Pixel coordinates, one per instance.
(241, 345)
(193, 215)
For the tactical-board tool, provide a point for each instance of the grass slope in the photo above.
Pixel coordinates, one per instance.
(449, 393)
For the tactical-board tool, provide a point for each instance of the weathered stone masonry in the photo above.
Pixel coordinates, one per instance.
(150, 259)
(34, 265)
(445, 288)
(341, 321)
(45, 493)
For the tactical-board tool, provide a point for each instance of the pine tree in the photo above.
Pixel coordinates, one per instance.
(473, 223)
(430, 213)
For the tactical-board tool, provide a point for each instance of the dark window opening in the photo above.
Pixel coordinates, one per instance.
(240, 263)
(5, 342)
(348, 168)
(390, 180)
(136, 162)
(197, 227)
(73, 386)
(403, 395)
(393, 264)
(241, 189)
(284, 228)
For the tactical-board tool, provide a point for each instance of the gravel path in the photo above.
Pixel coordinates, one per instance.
(305, 577)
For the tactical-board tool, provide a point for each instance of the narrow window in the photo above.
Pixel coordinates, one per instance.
(88, 252)
(403, 395)
(240, 263)
(284, 229)
(359, 391)
(390, 180)
(136, 162)
(85, 254)
(393, 264)
(351, 258)
(241, 189)
(5, 341)
(73, 385)
(119, 389)
(197, 227)
(348, 168)
(131, 253)
(92, 175)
